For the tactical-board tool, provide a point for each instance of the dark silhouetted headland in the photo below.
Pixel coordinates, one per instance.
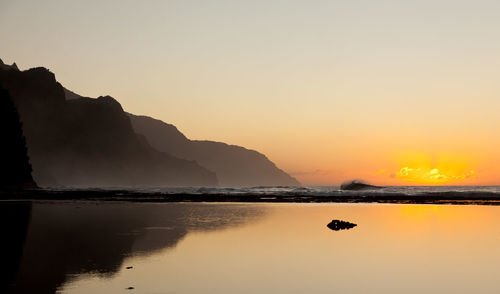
(76, 141)
(89, 142)
(234, 165)
(15, 168)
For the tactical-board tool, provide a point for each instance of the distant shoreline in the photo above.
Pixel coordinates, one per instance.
(458, 198)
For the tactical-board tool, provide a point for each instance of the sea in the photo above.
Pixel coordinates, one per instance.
(328, 190)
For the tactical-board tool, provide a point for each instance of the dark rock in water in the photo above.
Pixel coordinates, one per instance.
(130, 288)
(357, 185)
(338, 225)
(129, 267)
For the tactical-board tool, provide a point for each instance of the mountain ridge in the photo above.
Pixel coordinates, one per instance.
(233, 164)
(78, 141)
(89, 142)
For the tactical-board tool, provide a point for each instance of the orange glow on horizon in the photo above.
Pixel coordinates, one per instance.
(441, 169)
(432, 176)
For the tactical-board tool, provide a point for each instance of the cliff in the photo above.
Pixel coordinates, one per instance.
(15, 168)
(87, 142)
(234, 165)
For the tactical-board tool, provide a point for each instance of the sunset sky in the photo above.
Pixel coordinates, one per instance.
(392, 92)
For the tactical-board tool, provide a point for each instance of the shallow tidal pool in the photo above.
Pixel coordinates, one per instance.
(120, 247)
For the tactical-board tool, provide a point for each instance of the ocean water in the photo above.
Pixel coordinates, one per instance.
(328, 190)
(123, 247)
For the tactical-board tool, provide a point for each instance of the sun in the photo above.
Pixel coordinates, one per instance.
(433, 169)
(425, 175)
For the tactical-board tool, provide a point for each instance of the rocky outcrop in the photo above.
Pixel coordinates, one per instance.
(338, 225)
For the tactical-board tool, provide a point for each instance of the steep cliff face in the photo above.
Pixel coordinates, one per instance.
(89, 142)
(234, 165)
(15, 168)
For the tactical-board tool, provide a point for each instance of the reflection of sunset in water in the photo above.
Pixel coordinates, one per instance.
(421, 210)
(290, 250)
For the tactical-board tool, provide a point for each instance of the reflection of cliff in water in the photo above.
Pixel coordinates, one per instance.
(73, 238)
(14, 221)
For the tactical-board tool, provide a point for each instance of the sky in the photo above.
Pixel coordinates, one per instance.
(392, 92)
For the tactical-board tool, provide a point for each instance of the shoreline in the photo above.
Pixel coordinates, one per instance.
(458, 198)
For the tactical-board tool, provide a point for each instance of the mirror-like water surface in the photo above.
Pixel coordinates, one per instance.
(94, 247)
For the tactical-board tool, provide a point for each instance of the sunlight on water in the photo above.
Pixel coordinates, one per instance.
(394, 249)
(259, 248)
